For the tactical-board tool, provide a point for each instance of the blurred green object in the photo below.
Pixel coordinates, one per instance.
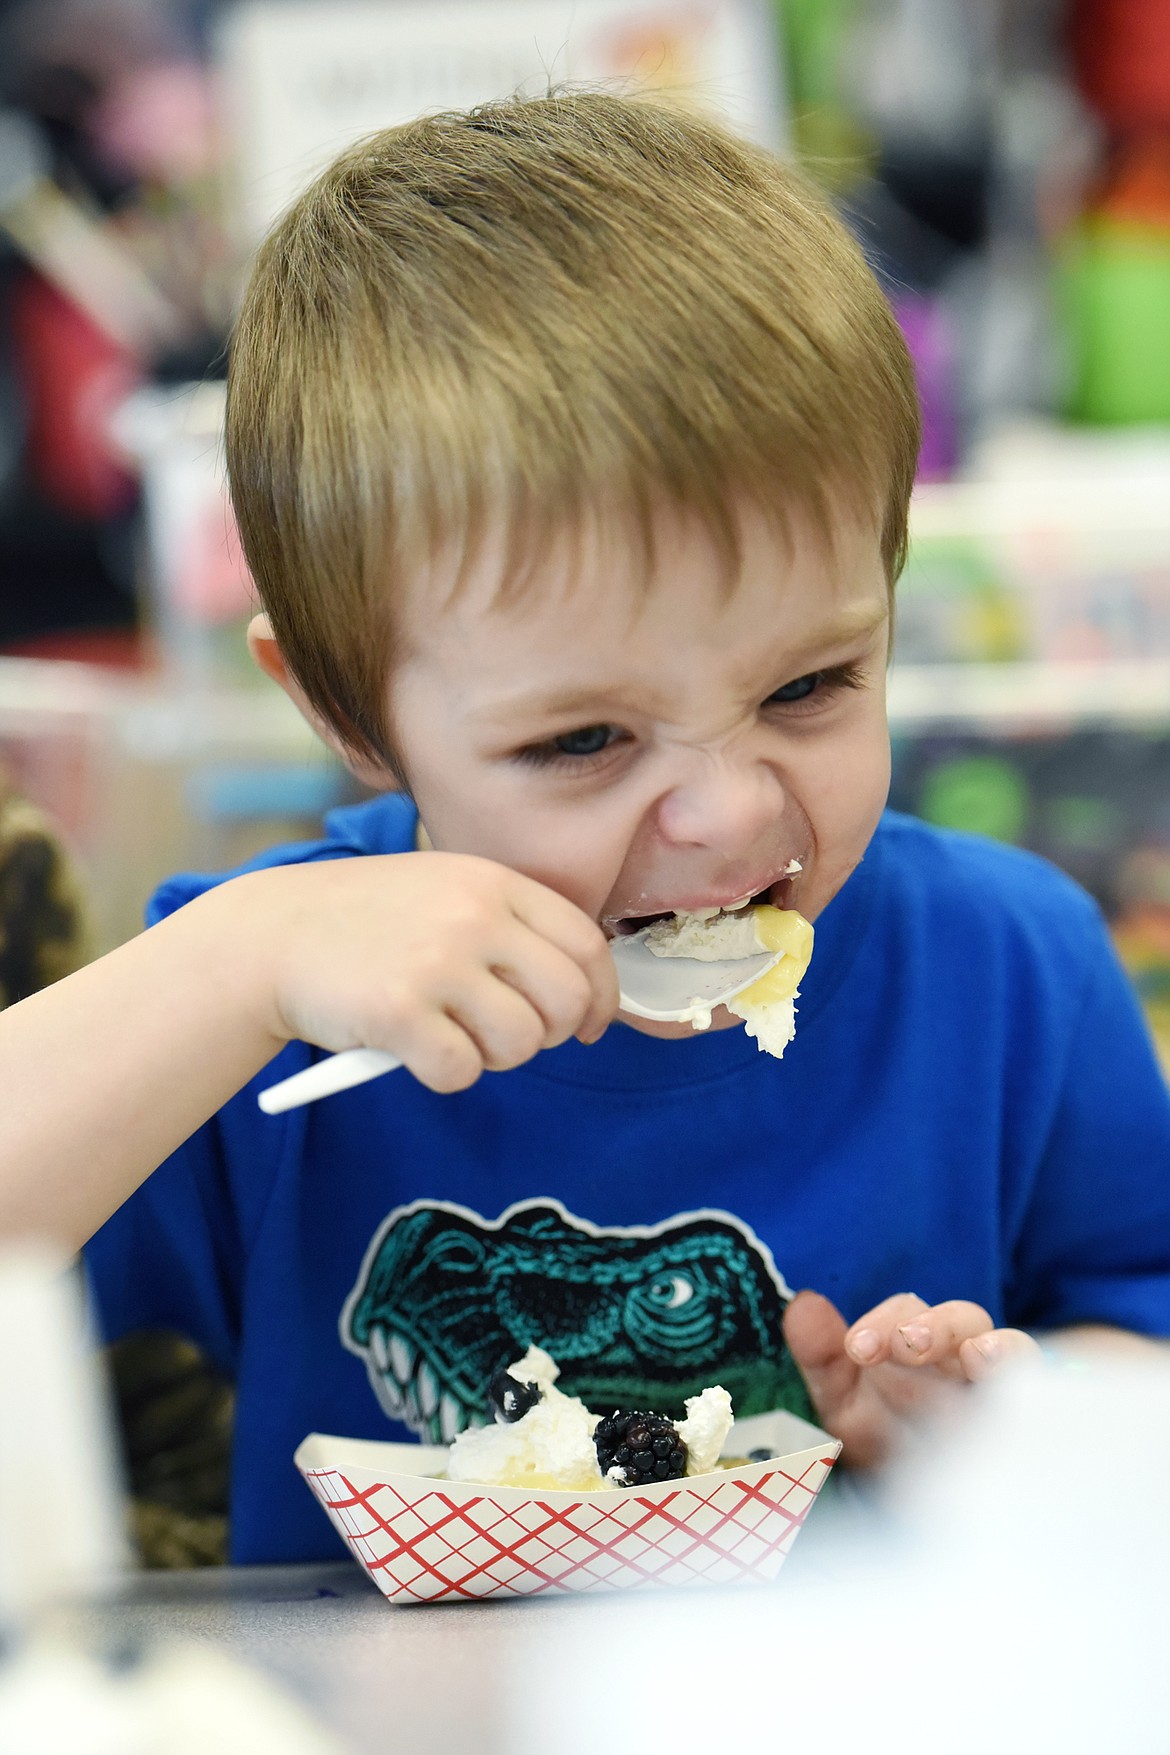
(954, 602)
(827, 137)
(1114, 281)
(983, 794)
(1084, 823)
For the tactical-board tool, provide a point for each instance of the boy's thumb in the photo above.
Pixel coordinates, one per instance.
(815, 1331)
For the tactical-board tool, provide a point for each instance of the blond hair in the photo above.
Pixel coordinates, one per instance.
(514, 316)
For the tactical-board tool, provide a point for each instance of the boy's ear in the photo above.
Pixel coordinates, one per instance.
(268, 655)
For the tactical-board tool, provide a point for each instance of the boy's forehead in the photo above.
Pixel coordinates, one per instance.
(610, 568)
(597, 614)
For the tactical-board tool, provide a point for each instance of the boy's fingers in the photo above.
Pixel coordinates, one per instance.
(565, 925)
(934, 1336)
(551, 982)
(869, 1339)
(814, 1331)
(985, 1353)
(441, 1055)
(502, 1023)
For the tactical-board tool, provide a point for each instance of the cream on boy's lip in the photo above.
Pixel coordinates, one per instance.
(778, 893)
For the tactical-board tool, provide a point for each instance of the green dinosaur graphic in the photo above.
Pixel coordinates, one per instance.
(637, 1317)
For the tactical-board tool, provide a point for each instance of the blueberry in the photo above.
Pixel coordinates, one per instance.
(509, 1399)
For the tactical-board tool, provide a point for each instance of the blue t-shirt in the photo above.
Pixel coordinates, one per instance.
(971, 1109)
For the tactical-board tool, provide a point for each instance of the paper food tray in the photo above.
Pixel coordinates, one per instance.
(428, 1540)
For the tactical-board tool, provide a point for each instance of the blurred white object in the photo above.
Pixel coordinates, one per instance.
(60, 1509)
(183, 1700)
(304, 78)
(199, 590)
(61, 1540)
(1054, 548)
(1012, 1595)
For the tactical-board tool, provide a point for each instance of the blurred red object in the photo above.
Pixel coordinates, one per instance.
(1121, 49)
(129, 649)
(1135, 185)
(73, 376)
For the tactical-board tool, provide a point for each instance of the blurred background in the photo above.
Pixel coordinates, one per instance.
(1006, 164)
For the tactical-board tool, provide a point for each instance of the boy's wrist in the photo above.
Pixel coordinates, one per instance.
(244, 925)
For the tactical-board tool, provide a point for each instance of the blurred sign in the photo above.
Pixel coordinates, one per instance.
(302, 80)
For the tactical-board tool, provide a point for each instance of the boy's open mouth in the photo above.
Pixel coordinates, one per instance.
(777, 894)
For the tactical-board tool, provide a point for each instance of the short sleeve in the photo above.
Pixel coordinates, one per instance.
(170, 1257)
(1093, 1239)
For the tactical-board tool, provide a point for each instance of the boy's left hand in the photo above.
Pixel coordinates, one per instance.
(869, 1380)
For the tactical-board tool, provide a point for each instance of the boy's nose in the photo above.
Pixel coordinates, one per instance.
(725, 805)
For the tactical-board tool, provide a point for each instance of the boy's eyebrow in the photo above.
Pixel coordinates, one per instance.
(858, 624)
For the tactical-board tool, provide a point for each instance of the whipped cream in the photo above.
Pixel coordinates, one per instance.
(772, 1023)
(552, 1444)
(705, 1429)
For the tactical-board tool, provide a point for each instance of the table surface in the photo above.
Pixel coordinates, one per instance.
(423, 1680)
(427, 1680)
(383, 1677)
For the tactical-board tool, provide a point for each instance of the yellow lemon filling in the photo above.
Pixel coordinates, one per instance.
(780, 929)
(766, 1007)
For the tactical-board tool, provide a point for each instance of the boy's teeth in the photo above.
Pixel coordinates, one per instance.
(710, 913)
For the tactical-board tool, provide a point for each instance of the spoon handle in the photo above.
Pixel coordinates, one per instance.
(338, 1073)
(355, 1065)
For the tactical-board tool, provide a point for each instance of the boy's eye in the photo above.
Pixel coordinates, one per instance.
(572, 747)
(825, 685)
(590, 740)
(798, 690)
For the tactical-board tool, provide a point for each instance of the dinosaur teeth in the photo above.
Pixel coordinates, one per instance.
(390, 1395)
(451, 1420)
(401, 1359)
(428, 1389)
(378, 1347)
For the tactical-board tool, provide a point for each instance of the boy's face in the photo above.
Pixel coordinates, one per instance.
(641, 750)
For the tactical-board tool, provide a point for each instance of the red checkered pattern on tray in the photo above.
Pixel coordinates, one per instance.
(443, 1545)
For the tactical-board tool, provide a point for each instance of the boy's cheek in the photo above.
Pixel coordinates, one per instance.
(552, 851)
(847, 798)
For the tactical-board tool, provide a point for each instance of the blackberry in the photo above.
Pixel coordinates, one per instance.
(645, 1447)
(509, 1399)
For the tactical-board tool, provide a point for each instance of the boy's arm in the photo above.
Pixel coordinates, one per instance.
(455, 965)
(109, 1070)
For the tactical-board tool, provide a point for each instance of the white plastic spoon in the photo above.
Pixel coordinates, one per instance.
(665, 989)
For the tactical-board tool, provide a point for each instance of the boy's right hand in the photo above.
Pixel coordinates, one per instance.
(454, 964)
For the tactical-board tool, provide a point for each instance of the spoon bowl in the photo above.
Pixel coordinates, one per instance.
(681, 990)
(666, 990)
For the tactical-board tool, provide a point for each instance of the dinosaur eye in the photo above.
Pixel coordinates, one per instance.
(670, 1315)
(672, 1292)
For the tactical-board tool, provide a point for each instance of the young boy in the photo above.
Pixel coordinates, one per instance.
(571, 442)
